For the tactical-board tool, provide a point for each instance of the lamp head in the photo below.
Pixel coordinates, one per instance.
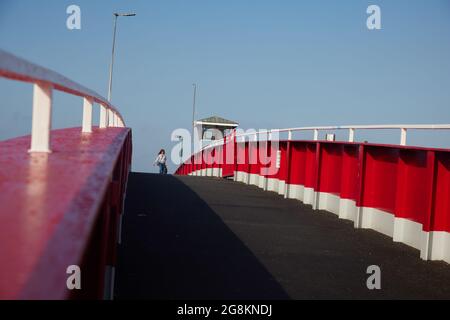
(124, 14)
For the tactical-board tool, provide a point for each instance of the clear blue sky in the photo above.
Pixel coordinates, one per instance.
(265, 64)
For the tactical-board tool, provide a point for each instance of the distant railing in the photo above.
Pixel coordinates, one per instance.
(351, 131)
(45, 81)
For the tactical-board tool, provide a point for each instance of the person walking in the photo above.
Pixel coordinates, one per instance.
(160, 161)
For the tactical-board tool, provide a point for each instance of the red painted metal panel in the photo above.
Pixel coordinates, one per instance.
(349, 174)
(50, 205)
(228, 157)
(282, 171)
(441, 211)
(298, 163)
(380, 178)
(254, 165)
(311, 165)
(413, 190)
(242, 157)
(330, 173)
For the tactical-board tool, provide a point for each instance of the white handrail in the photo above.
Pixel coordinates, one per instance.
(352, 128)
(402, 127)
(45, 80)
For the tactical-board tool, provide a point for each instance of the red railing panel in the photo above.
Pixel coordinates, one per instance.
(51, 204)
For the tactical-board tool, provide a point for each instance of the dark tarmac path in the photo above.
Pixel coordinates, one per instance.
(210, 238)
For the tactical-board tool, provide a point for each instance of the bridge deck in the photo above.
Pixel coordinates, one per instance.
(205, 238)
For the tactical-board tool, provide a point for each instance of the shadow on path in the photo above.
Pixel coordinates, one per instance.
(174, 246)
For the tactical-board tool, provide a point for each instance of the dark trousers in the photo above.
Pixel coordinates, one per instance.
(162, 168)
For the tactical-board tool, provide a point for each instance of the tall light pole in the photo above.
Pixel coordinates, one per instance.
(193, 113)
(180, 138)
(111, 66)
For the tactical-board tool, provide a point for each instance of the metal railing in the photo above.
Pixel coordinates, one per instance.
(351, 131)
(45, 81)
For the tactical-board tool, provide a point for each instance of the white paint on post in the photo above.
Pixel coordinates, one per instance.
(278, 161)
(41, 118)
(110, 118)
(286, 185)
(87, 115)
(351, 135)
(403, 137)
(103, 117)
(316, 134)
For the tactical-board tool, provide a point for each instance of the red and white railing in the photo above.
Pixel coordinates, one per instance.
(61, 209)
(398, 190)
(403, 128)
(45, 81)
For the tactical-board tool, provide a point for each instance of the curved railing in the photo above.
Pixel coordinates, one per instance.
(398, 190)
(45, 81)
(62, 201)
(351, 131)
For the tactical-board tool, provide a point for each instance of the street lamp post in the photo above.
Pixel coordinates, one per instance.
(180, 138)
(193, 114)
(111, 67)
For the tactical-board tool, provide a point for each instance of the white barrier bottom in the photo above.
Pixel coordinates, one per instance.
(253, 179)
(281, 187)
(272, 184)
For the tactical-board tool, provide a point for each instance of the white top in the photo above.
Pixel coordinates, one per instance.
(161, 158)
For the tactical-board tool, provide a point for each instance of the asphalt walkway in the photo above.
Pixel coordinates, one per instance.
(210, 238)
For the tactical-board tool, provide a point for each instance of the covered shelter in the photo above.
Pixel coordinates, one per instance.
(213, 128)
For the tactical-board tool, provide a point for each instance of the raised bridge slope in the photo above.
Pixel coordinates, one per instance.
(208, 238)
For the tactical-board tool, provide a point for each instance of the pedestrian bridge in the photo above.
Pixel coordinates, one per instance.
(209, 238)
(76, 224)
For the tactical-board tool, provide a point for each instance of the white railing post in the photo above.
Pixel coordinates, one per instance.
(316, 134)
(110, 118)
(351, 135)
(87, 115)
(286, 185)
(41, 118)
(103, 117)
(403, 137)
(114, 119)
